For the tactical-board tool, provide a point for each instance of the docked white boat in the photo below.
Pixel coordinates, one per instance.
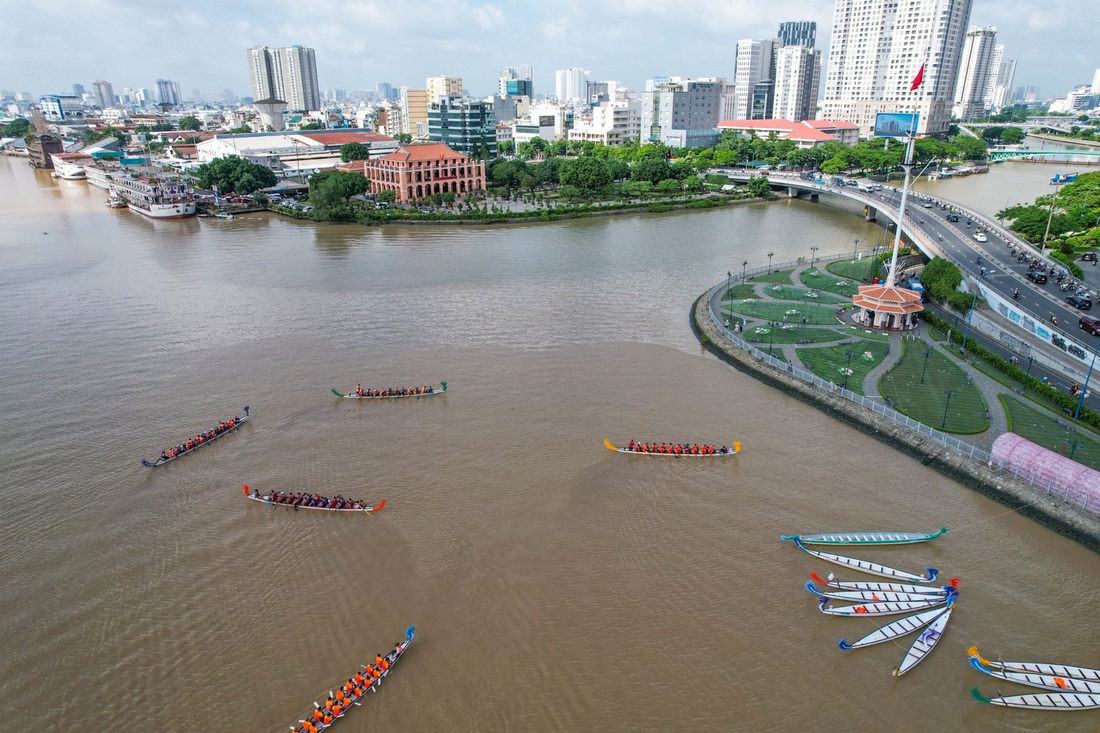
(891, 631)
(1044, 668)
(883, 609)
(1043, 681)
(71, 166)
(923, 644)
(155, 197)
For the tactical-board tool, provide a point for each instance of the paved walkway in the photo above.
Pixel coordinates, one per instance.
(989, 387)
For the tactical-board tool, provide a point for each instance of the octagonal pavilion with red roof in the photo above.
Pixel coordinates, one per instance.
(887, 307)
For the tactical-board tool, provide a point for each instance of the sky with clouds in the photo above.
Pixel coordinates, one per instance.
(48, 45)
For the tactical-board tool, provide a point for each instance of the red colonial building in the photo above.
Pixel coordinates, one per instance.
(416, 171)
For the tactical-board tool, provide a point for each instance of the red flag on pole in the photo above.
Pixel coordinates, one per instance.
(918, 79)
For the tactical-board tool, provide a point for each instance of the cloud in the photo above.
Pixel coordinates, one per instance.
(359, 42)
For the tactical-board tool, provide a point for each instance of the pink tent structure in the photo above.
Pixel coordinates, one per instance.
(1048, 470)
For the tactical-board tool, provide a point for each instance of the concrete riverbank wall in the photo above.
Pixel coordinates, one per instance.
(1027, 500)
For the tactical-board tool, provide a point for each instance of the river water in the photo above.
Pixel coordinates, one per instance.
(554, 585)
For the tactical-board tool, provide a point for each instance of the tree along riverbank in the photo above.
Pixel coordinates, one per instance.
(1023, 498)
(379, 217)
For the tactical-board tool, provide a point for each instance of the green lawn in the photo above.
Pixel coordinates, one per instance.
(777, 276)
(821, 280)
(808, 296)
(775, 310)
(1048, 431)
(762, 334)
(926, 403)
(740, 292)
(851, 269)
(870, 335)
(829, 362)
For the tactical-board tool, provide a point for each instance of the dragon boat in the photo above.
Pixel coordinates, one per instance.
(865, 538)
(237, 422)
(391, 393)
(359, 508)
(722, 452)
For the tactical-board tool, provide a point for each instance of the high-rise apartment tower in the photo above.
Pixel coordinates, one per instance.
(879, 46)
(289, 74)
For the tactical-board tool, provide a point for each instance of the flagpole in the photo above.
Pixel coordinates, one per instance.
(907, 165)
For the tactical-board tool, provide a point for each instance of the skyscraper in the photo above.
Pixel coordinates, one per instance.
(511, 83)
(682, 112)
(78, 90)
(975, 67)
(798, 33)
(755, 63)
(877, 49)
(797, 79)
(569, 84)
(168, 92)
(443, 87)
(289, 74)
(104, 93)
(1002, 89)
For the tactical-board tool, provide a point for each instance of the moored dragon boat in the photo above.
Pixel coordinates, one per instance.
(1057, 670)
(886, 608)
(312, 723)
(359, 508)
(237, 422)
(865, 538)
(870, 568)
(722, 452)
(923, 644)
(1043, 681)
(875, 596)
(894, 630)
(1045, 701)
(390, 393)
(833, 582)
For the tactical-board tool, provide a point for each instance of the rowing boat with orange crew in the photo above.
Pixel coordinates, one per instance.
(676, 450)
(340, 699)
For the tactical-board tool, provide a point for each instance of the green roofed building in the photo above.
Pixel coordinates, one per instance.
(466, 125)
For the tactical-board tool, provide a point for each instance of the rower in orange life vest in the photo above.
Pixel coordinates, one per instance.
(359, 390)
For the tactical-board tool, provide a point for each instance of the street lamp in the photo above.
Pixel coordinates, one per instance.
(1050, 217)
(770, 262)
(1072, 445)
(744, 264)
(813, 253)
(729, 281)
(966, 334)
(855, 250)
(1081, 399)
(927, 353)
(847, 369)
(949, 394)
(771, 339)
(1005, 210)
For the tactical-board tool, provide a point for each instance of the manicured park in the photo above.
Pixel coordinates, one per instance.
(929, 387)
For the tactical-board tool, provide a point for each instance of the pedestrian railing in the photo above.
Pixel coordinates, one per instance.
(1068, 494)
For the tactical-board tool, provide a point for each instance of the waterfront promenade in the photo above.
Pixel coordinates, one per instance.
(928, 228)
(968, 460)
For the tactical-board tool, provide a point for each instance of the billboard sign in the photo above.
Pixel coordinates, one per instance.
(896, 124)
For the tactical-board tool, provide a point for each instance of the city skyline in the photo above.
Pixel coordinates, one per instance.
(50, 50)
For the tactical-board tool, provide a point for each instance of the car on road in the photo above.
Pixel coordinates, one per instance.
(1080, 302)
(927, 204)
(1037, 277)
(1090, 324)
(1088, 257)
(952, 217)
(980, 237)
